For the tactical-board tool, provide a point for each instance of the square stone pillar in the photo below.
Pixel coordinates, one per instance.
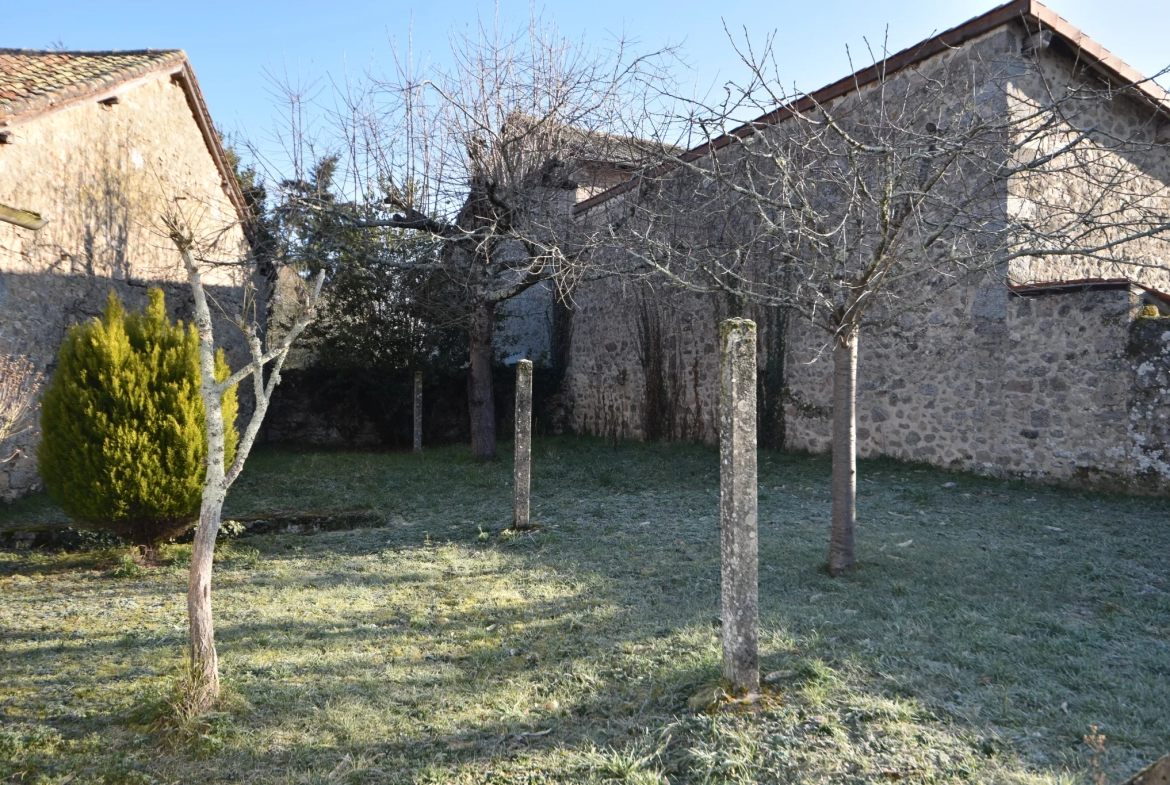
(740, 598)
(522, 476)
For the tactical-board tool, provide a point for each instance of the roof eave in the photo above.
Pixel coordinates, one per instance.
(186, 79)
(1029, 12)
(72, 97)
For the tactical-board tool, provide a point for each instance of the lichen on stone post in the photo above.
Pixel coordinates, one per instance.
(522, 480)
(418, 403)
(740, 603)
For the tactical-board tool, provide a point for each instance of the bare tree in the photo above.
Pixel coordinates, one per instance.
(199, 256)
(855, 205)
(484, 159)
(19, 383)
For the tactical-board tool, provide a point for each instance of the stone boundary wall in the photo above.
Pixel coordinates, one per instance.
(297, 416)
(42, 307)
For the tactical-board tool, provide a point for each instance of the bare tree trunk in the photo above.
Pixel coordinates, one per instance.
(522, 471)
(418, 404)
(480, 399)
(738, 524)
(204, 689)
(844, 451)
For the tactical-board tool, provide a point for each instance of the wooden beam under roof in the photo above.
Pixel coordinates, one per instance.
(26, 219)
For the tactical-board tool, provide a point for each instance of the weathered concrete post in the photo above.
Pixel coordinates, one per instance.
(740, 605)
(522, 480)
(418, 412)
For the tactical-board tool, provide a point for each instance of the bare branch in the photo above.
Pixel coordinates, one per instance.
(19, 383)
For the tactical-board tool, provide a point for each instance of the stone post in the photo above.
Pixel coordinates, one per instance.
(418, 412)
(522, 481)
(740, 603)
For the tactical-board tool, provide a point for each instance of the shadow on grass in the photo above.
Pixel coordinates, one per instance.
(984, 630)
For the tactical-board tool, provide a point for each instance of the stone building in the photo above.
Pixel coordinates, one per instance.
(529, 325)
(1051, 369)
(94, 148)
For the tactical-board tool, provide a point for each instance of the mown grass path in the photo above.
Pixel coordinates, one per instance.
(987, 627)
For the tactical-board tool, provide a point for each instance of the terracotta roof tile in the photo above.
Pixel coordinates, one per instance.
(31, 79)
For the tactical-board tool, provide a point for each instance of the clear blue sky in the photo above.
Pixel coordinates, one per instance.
(232, 42)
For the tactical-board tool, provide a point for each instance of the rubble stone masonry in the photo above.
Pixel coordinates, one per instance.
(1070, 386)
(1045, 387)
(1066, 384)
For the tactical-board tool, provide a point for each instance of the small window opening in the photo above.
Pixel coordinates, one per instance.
(111, 101)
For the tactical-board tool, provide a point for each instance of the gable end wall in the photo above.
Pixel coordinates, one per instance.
(103, 176)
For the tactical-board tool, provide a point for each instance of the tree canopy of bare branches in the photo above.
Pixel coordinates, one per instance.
(983, 161)
(19, 383)
(483, 159)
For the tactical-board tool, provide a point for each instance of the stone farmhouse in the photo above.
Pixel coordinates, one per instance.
(94, 148)
(1054, 370)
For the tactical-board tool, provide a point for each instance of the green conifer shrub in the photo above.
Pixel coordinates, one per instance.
(123, 443)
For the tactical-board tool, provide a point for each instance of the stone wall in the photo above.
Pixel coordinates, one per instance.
(1149, 402)
(1067, 386)
(103, 175)
(987, 381)
(1062, 387)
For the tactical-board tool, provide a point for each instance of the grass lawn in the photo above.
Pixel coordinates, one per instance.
(986, 629)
